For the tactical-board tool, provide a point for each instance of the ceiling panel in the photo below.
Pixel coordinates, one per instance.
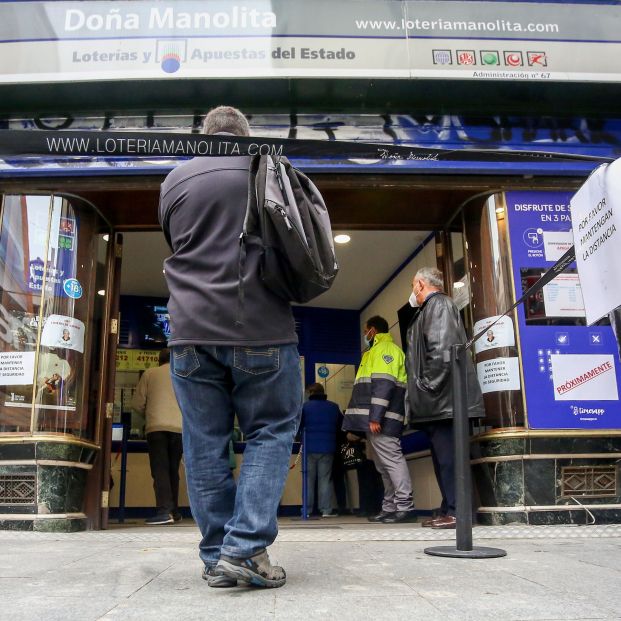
(366, 262)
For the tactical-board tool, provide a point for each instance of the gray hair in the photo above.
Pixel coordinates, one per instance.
(431, 275)
(226, 119)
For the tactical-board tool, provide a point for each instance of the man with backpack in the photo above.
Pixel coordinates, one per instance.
(226, 363)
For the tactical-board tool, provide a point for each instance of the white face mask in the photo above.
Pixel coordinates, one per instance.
(412, 298)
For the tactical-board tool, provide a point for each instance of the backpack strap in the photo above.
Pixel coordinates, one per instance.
(246, 237)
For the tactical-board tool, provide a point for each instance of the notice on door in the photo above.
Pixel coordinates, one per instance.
(584, 377)
(499, 335)
(499, 374)
(63, 331)
(16, 368)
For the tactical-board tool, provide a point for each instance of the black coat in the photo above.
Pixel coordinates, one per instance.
(432, 331)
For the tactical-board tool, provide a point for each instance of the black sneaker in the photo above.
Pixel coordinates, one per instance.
(217, 581)
(160, 518)
(256, 570)
(177, 517)
(400, 516)
(381, 516)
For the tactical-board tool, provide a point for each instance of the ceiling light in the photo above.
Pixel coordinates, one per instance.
(101, 292)
(499, 209)
(342, 239)
(459, 284)
(106, 237)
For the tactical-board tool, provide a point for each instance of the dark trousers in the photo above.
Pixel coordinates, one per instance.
(165, 451)
(338, 480)
(370, 488)
(443, 455)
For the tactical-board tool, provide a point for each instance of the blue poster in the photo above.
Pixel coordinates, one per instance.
(571, 371)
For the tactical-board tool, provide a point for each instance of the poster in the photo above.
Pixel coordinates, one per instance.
(499, 374)
(62, 331)
(563, 297)
(136, 359)
(596, 210)
(556, 345)
(499, 335)
(584, 377)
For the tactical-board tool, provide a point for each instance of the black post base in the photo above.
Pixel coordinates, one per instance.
(476, 552)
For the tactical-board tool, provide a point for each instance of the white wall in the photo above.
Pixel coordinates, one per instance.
(396, 294)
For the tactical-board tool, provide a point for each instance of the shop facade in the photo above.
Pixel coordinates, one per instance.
(542, 455)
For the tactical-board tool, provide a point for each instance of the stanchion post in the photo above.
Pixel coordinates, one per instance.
(304, 477)
(463, 479)
(461, 434)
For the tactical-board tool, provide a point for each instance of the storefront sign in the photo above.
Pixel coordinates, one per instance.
(97, 40)
(16, 368)
(500, 335)
(499, 374)
(596, 210)
(62, 331)
(568, 367)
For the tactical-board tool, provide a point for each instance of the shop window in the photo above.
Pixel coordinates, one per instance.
(52, 260)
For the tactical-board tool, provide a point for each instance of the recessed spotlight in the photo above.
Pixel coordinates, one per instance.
(101, 292)
(459, 284)
(342, 239)
(106, 237)
(500, 209)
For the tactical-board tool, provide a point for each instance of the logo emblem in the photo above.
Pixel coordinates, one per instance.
(466, 57)
(514, 59)
(538, 59)
(442, 57)
(387, 359)
(72, 288)
(170, 53)
(323, 371)
(490, 57)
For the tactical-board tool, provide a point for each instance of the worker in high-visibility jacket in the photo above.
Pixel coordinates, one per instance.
(377, 408)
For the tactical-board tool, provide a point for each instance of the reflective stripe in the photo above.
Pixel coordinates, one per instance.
(385, 376)
(359, 411)
(378, 401)
(401, 385)
(363, 380)
(394, 416)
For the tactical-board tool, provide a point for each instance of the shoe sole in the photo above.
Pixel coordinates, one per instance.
(159, 523)
(238, 573)
(219, 582)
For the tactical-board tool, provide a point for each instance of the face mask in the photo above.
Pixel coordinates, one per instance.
(412, 299)
(368, 341)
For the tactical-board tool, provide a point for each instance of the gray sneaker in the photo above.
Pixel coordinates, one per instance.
(217, 581)
(256, 570)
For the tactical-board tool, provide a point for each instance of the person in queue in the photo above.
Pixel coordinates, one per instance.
(222, 367)
(377, 408)
(433, 329)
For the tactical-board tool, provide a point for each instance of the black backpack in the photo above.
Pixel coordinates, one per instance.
(287, 217)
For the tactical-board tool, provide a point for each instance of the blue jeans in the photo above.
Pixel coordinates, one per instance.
(319, 467)
(263, 387)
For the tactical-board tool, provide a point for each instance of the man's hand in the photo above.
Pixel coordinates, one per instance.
(375, 427)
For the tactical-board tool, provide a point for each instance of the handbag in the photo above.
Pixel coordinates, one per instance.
(352, 455)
